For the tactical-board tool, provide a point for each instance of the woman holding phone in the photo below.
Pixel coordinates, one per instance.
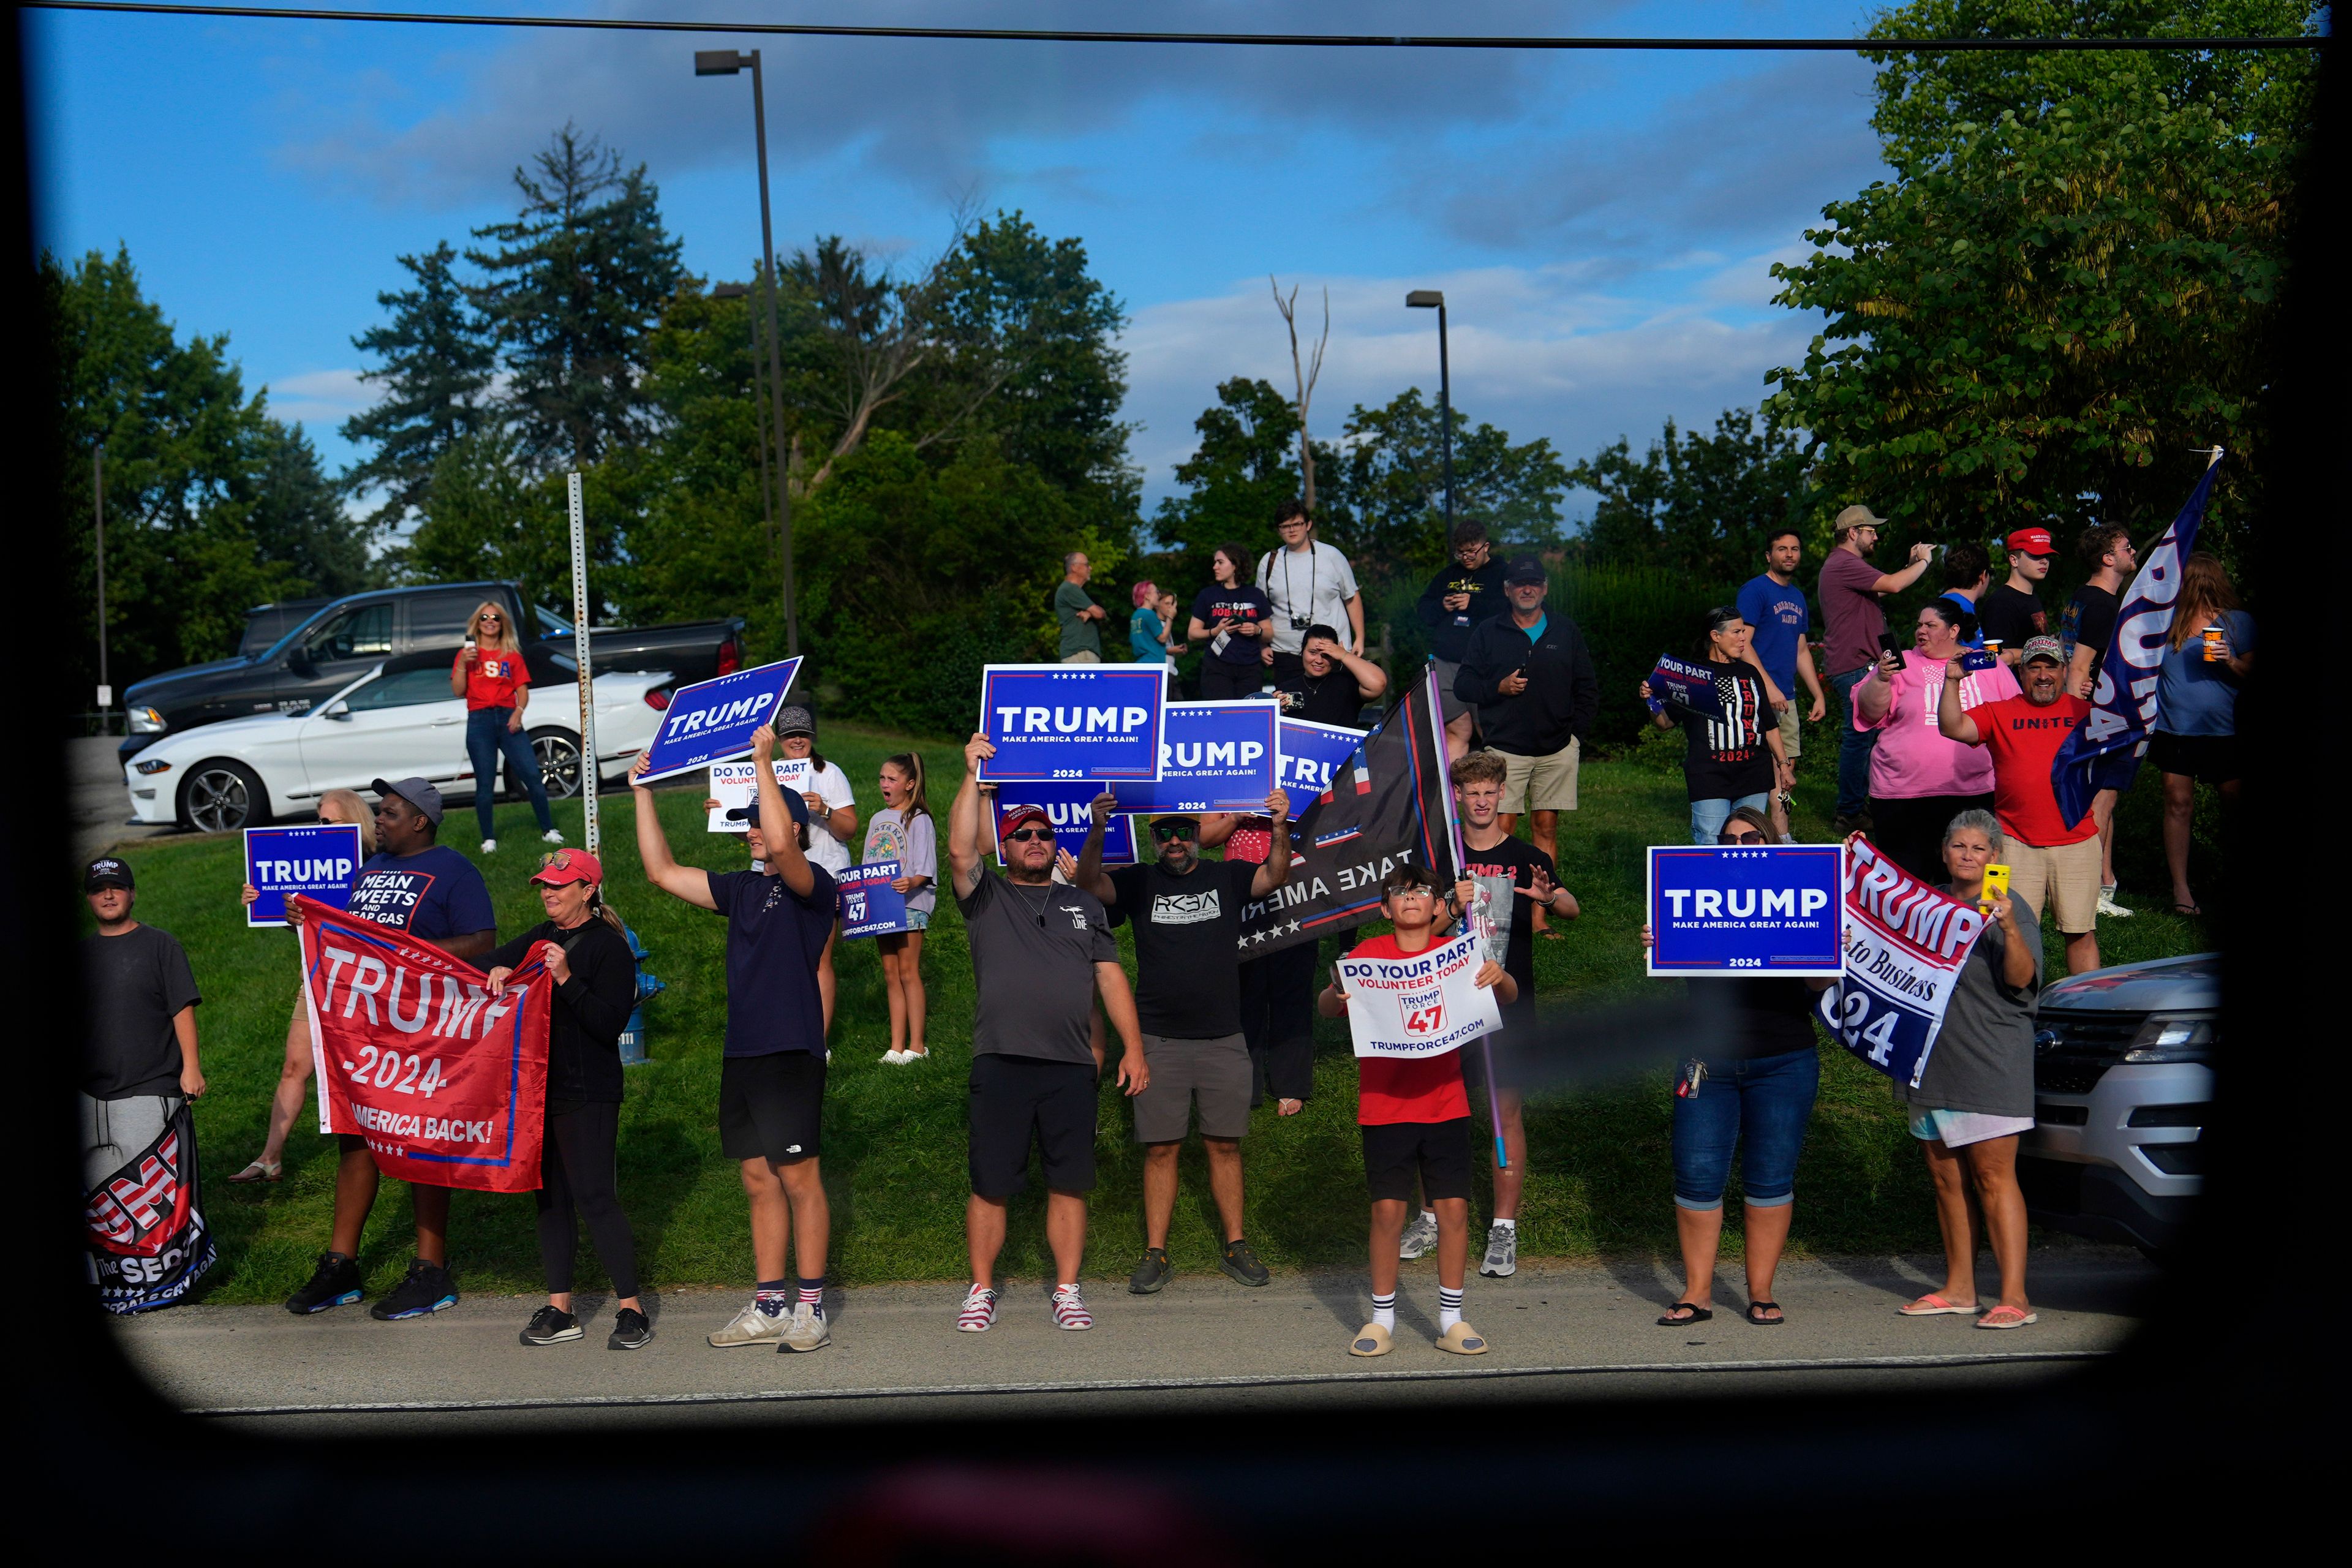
(596, 983)
(1920, 779)
(1234, 617)
(489, 674)
(336, 807)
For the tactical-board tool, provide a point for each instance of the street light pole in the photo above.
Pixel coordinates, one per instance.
(98, 512)
(1423, 299)
(727, 62)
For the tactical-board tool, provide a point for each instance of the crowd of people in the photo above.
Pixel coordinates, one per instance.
(1945, 747)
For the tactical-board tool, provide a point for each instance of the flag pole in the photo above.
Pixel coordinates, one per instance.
(1453, 844)
(590, 836)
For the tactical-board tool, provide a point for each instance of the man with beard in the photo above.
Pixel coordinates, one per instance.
(1850, 590)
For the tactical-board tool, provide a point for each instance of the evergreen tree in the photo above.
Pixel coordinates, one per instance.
(297, 515)
(578, 277)
(438, 357)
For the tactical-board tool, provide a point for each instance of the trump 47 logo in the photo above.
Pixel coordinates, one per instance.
(1424, 1010)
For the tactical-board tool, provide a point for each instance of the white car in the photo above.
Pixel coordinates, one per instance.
(398, 721)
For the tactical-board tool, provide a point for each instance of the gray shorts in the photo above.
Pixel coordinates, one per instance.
(1453, 706)
(1215, 1071)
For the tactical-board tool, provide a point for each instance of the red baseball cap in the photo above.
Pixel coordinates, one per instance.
(2030, 541)
(571, 865)
(1020, 816)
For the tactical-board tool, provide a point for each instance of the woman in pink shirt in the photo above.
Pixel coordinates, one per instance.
(1918, 780)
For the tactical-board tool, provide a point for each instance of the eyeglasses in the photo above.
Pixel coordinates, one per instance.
(490, 620)
(1167, 832)
(1026, 835)
(1740, 838)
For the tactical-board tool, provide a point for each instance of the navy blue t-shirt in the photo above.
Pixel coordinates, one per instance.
(774, 938)
(433, 895)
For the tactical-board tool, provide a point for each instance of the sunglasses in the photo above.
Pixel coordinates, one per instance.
(1741, 838)
(492, 620)
(1168, 832)
(1026, 835)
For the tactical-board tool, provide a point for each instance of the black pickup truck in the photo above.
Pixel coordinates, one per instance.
(341, 639)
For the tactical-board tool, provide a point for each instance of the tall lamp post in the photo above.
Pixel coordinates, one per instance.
(1424, 300)
(727, 62)
(98, 517)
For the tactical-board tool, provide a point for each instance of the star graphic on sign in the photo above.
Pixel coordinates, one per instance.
(1293, 926)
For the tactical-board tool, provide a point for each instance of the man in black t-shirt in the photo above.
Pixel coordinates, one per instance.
(1187, 915)
(1330, 685)
(2011, 614)
(2084, 633)
(1497, 871)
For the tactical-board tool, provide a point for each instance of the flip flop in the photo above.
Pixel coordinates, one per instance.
(1370, 1341)
(2007, 1318)
(1755, 1307)
(1462, 1340)
(1697, 1315)
(1934, 1306)
(2194, 911)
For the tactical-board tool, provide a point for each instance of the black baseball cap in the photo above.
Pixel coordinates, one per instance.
(795, 719)
(1524, 569)
(106, 871)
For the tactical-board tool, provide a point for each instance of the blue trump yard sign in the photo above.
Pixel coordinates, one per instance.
(713, 721)
(1311, 754)
(1214, 756)
(317, 862)
(1072, 722)
(1069, 807)
(869, 905)
(1770, 909)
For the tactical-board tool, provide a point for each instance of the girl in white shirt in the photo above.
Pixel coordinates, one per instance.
(903, 831)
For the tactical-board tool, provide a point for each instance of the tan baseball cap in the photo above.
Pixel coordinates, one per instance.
(1856, 516)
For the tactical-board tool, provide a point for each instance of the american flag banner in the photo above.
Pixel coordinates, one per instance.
(146, 1236)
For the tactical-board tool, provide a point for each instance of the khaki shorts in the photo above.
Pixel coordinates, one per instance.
(1084, 655)
(1540, 784)
(2067, 877)
(1791, 741)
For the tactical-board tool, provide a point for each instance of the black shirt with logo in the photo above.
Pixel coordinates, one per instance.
(1449, 631)
(1499, 870)
(433, 895)
(1244, 602)
(1730, 757)
(1187, 933)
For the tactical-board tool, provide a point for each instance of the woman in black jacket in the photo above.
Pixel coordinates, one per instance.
(596, 982)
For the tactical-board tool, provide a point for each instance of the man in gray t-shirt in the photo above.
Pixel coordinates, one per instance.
(1040, 951)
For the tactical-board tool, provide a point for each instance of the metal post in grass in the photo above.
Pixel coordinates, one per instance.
(588, 775)
(98, 512)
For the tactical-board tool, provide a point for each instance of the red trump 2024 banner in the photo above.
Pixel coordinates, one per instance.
(447, 1082)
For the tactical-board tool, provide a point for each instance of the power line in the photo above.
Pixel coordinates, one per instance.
(1247, 40)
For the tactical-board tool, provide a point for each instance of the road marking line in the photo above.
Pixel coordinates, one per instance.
(1146, 1385)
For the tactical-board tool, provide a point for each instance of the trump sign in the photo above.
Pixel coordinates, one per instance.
(1072, 722)
(1770, 909)
(713, 721)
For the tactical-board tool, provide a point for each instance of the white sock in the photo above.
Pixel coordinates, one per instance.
(1429, 1217)
(1449, 1308)
(1384, 1312)
(1506, 1225)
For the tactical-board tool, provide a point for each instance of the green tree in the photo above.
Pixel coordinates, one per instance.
(1386, 505)
(1696, 504)
(578, 277)
(296, 515)
(2070, 279)
(437, 356)
(1245, 465)
(486, 514)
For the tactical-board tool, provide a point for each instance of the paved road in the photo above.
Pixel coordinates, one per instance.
(1558, 1331)
(97, 801)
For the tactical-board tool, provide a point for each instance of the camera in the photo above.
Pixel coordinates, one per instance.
(1301, 623)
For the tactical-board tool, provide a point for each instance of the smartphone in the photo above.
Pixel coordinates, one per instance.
(1996, 885)
(470, 645)
(1893, 643)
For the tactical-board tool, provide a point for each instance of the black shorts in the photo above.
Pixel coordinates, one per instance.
(2207, 759)
(771, 1107)
(1440, 1151)
(1014, 1098)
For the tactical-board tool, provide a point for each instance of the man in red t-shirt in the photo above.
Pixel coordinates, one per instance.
(2024, 734)
(1415, 1116)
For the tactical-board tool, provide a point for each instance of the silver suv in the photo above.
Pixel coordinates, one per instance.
(2123, 1086)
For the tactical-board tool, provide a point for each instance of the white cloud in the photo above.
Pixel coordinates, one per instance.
(325, 397)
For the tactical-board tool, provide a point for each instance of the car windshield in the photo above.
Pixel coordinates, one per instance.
(406, 690)
(551, 625)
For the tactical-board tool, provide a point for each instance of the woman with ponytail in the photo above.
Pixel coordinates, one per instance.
(595, 985)
(903, 831)
(1919, 778)
(1736, 759)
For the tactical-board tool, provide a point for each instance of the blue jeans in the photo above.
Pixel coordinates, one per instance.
(1707, 816)
(1854, 746)
(1764, 1101)
(487, 738)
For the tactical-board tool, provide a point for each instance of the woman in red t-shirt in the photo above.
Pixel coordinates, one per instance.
(488, 673)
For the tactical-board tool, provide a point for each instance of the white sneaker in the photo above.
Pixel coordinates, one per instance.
(979, 1311)
(753, 1327)
(895, 1058)
(553, 836)
(1419, 1236)
(805, 1329)
(1502, 1259)
(2108, 907)
(489, 845)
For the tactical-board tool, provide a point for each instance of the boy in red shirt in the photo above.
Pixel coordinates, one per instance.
(1415, 1116)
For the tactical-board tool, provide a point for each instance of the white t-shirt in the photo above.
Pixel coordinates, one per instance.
(1315, 585)
(831, 784)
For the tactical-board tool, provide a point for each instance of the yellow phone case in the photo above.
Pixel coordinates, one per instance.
(1996, 885)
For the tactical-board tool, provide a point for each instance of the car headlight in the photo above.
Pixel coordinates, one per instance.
(147, 721)
(152, 766)
(2175, 1037)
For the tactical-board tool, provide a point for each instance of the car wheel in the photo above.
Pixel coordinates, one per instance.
(558, 752)
(222, 797)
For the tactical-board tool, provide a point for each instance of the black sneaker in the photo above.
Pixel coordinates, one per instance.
(631, 1330)
(428, 1288)
(335, 1283)
(1240, 1260)
(1151, 1273)
(550, 1325)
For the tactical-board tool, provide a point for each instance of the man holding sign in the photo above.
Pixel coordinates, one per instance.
(1406, 1002)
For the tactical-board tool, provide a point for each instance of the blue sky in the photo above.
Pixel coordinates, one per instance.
(1601, 223)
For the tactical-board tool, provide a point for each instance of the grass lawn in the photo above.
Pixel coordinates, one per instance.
(1598, 1183)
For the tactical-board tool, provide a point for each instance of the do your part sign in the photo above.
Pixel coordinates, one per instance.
(1072, 722)
(713, 721)
(1424, 1005)
(1724, 911)
(731, 787)
(318, 862)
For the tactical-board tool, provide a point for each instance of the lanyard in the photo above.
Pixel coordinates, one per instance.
(1314, 567)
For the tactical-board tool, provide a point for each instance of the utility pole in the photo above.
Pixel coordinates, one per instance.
(98, 510)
